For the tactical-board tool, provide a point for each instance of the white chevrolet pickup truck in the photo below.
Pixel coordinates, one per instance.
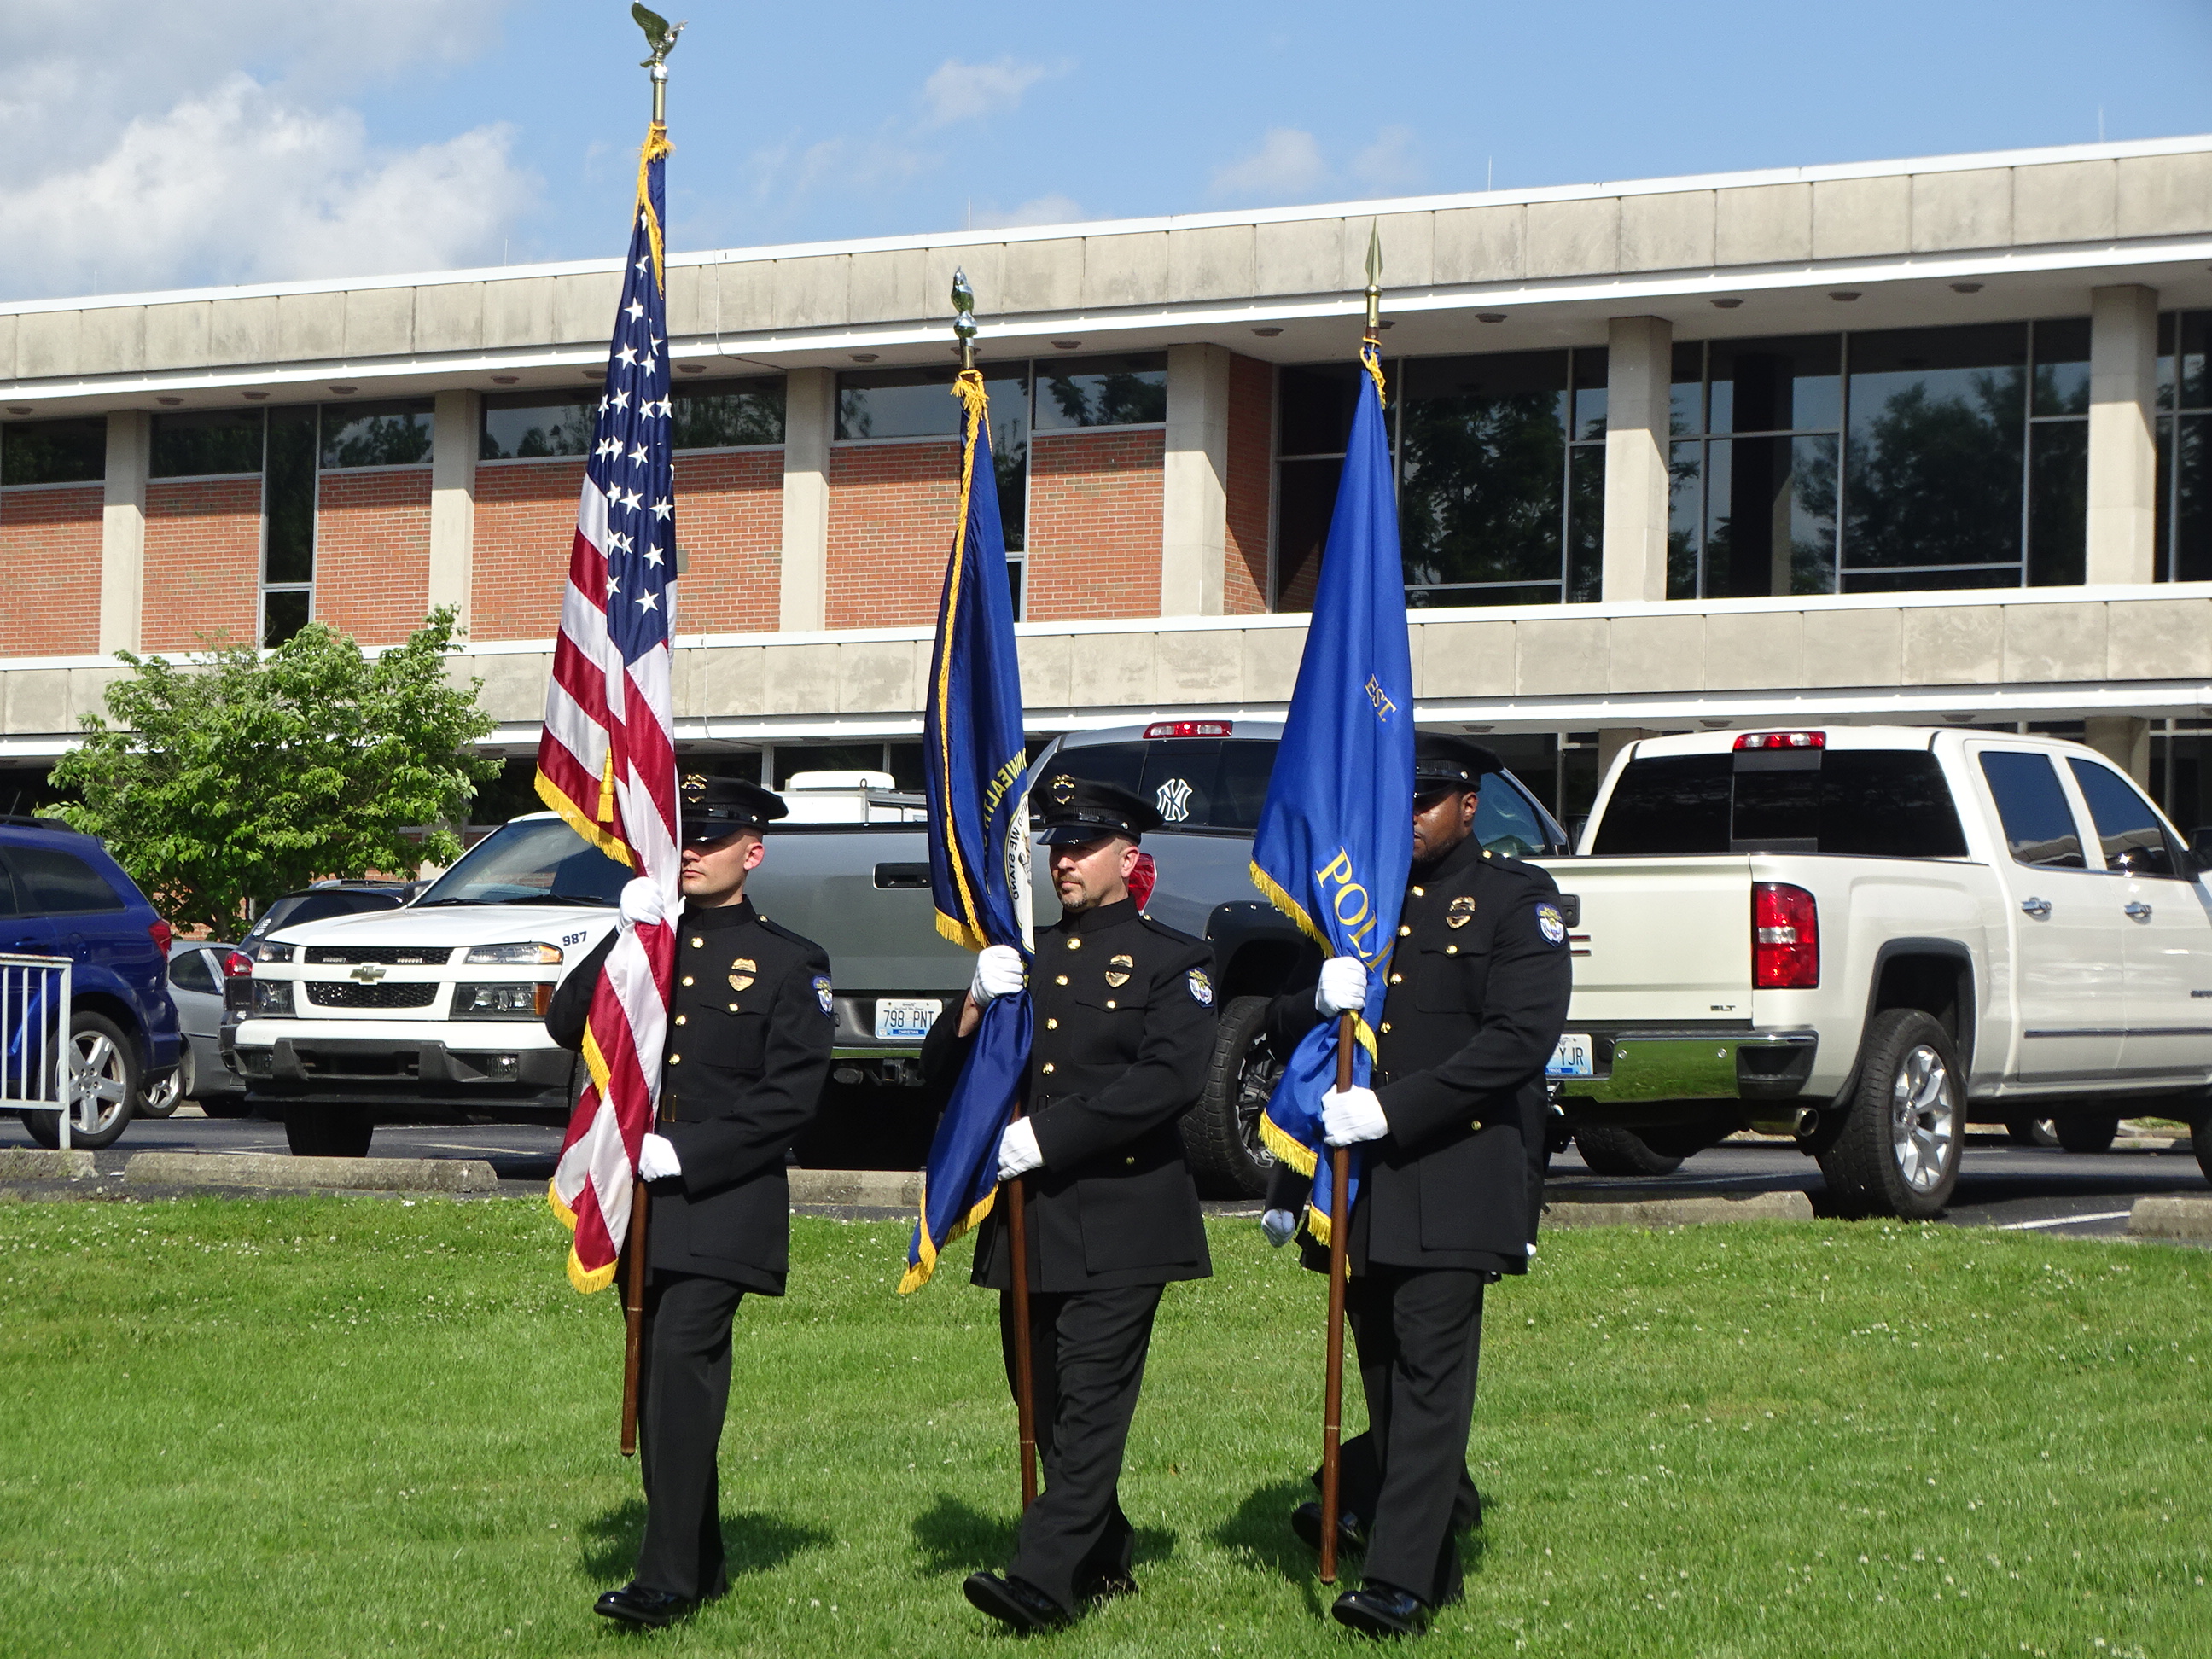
(1869, 937)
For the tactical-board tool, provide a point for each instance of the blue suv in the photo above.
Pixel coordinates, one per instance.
(60, 894)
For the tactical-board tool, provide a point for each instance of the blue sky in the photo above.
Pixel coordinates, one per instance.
(253, 140)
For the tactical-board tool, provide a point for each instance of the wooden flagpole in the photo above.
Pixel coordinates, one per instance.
(1332, 1408)
(1018, 1244)
(633, 1315)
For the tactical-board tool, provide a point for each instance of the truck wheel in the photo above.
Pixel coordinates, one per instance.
(2030, 1132)
(1221, 1132)
(1897, 1152)
(328, 1131)
(102, 1082)
(162, 1099)
(2088, 1135)
(1612, 1151)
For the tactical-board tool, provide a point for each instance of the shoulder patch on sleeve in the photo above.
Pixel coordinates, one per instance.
(1201, 987)
(1554, 926)
(821, 991)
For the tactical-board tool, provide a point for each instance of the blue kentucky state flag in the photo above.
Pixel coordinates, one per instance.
(1335, 838)
(976, 767)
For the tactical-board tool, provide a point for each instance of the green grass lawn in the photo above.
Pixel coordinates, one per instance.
(345, 1427)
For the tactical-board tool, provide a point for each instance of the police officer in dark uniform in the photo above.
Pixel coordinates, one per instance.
(748, 1050)
(1453, 1134)
(1124, 1026)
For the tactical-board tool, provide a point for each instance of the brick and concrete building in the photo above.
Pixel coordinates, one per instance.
(1926, 440)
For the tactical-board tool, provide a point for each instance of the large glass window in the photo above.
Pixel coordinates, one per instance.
(1500, 466)
(53, 452)
(206, 443)
(2185, 447)
(396, 433)
(728, 414)
(1910, 458)
(525, 425)
(1127, 391)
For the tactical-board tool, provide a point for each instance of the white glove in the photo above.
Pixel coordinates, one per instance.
(998, 973)
(642, 905)
(1017, 1150)
(1352, 1116)
(656, 1158)
(1280, 1226)
(1343, 988)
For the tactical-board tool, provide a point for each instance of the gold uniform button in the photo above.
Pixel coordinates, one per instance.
(687, 979)
(1109, 1002)
(1131, 1162)
(679, 1019)
(1451, 950)
(1403, 932)
(697, 943)
(1047, 1066)
(1397, 979)
(675, 1059)
(1385, 1027)
(733, 1007)
(1052, 1025)
(1420, 892)
(1059, 979)
(1075, 944)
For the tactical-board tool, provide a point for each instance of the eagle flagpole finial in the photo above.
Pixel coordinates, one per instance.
(660, 40)
(964, 321)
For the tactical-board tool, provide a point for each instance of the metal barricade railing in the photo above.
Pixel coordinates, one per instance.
(35, 1018)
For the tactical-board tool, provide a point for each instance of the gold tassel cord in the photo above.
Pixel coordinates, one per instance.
(1370, 359)
(656, 147)
(975, 404)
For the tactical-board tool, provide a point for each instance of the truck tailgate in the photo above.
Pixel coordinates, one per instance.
(1658, 940)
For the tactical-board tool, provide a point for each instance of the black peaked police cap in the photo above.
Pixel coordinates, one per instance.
(1073, 810)
(715, 808)
(1442, 761)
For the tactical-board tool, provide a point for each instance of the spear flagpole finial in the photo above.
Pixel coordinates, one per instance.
(660, 40)
(963, 320)
(1374, 281)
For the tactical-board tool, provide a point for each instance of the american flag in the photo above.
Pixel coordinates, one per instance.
(607, 761)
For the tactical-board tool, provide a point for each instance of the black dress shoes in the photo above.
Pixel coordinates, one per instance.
(1351, 1531)
(1019, 1606)
(642, 1605)
(1378, 1609)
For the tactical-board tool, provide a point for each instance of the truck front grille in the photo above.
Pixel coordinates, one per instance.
(325, 993)
(399, 956)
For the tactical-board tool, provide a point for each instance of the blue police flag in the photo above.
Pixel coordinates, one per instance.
(976, 767)
(1335, 838)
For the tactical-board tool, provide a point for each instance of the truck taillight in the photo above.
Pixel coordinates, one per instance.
(161, 935)
(1782, 740)
(1785, 938)
(1188, 729)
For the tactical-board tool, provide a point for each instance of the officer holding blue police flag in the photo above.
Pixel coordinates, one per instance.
(1453, 1134)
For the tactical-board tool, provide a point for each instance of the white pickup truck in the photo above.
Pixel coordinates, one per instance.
(1869, 936)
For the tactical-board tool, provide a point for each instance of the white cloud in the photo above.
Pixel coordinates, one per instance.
(1288, 163)
(1053, 209)
(966, 92)
(238, 185)
(1391, 165)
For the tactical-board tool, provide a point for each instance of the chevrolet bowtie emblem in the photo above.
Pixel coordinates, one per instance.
(368, 973)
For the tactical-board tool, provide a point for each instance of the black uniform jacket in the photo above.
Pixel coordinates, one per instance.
(748, 1051)
(1479, 983)
(1124, 1028)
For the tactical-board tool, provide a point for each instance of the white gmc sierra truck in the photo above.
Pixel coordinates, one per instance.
(1868, 936)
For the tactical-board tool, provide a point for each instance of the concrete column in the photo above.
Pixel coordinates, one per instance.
(1194, 489)
(809, 401)
(455, 422)
(123, 531)
(2123, 434)
(1639, 360)
(2124, 740)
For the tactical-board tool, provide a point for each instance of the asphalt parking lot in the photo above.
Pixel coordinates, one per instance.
(2029, 1188)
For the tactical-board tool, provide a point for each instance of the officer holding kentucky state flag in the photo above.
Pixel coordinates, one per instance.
(1124, 1026)
(749, 1041)
(1453, 1134)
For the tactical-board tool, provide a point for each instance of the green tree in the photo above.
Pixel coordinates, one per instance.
(232, 777)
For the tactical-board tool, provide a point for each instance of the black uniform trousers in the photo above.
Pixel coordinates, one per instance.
(1087, 1353)
(1418, 1332)
(682, 1395)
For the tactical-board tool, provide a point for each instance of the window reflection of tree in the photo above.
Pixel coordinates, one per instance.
(381, 441)
(1935, 480)
(728, 419)
(1479, 498)
(1121, 398)
(2192, 541)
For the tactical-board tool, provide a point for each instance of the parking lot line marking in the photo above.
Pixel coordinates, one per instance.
(2062, 1220)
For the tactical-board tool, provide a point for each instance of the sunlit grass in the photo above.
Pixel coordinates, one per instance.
(356, 1426)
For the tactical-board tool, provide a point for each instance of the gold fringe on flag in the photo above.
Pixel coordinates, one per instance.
(961, 930)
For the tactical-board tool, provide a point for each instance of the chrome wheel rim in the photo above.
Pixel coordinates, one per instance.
(162, 1098)
(1255, 1087)
(1924, 1118)
(99, 1084)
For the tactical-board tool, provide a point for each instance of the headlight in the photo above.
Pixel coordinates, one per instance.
(272, 996)
(515, 956)
(511, 1002)
(265, 951)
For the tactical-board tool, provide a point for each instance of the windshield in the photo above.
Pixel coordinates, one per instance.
(320, 907)
(531, 861)
(1220, 783)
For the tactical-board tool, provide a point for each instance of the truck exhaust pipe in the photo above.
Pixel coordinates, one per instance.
(1800, 1121)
